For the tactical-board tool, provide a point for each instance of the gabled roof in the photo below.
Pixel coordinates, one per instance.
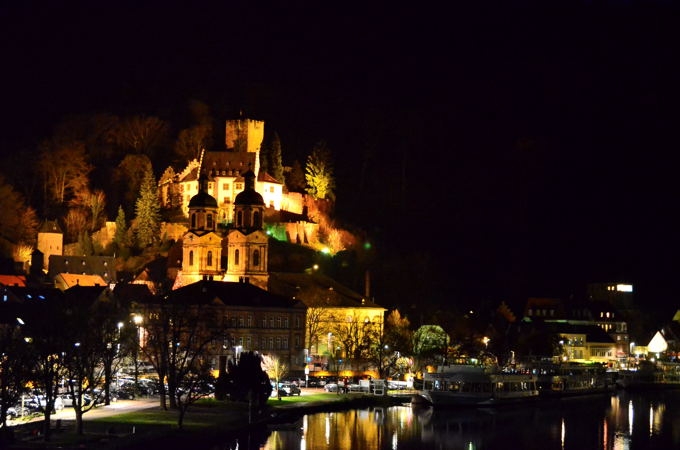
(265, 177)
(50, 226)
(68, 280)
(13, 280)
(231, 294)
(317, 290)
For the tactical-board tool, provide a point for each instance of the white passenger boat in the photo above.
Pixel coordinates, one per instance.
(571, 379)
(470, 384)
(650, 376)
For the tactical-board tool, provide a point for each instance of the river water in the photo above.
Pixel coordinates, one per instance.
(622, 421)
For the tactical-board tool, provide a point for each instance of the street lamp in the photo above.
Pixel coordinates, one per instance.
(137, 319)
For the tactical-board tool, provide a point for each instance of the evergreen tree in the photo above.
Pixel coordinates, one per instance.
(275, 160)
(148, 210)
(295, 178)
(120, 237)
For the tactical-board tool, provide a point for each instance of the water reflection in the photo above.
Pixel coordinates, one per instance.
(618, 422)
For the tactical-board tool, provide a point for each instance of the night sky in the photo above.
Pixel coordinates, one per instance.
(513, 152)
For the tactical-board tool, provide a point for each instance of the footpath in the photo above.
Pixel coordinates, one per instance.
(103, 432)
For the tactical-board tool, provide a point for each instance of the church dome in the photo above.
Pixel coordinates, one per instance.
(203, 199)
(249, 197)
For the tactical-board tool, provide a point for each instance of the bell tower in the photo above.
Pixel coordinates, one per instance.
(247, 243)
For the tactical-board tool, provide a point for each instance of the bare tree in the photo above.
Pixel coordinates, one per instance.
(64, 170)
(141, 134)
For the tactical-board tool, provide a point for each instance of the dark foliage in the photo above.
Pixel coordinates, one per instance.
(245, 380)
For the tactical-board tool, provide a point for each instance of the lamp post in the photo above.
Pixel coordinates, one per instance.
(137, 319)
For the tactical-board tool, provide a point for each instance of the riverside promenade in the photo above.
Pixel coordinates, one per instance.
(142, 423)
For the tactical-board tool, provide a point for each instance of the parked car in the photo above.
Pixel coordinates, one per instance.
(17, 411)
(286, 389)
(330, 387)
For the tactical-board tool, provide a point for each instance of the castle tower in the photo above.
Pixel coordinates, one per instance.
(50, 241)
(201, 245)
(247, 243)
(245, 135)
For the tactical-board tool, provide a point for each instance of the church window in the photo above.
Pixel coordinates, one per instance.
(210, 259)
(257, 221)
(191, 258)
(236, 257)
(239, 219)
(210, 221)
(256, 258)
(193, 221)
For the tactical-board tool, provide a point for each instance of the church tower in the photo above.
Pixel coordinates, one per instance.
(247, 243)
(201, 245)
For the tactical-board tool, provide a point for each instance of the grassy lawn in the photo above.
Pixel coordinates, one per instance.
(133, 429)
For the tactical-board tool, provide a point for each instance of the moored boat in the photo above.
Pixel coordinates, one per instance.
(570, 379)
(650, 376)
(470, 384)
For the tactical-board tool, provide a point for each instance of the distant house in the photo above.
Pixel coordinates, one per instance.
(13, 280)
(104, 266)
(64, 281)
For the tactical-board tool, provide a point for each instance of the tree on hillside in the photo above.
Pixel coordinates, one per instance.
(141, 134)
(93, 130)
(64, 171)
(18, 222)
(120, 237)
(191, 141)
(295, 177)
(128, 177)
(270, 158)
(147, 209)
(319, 173)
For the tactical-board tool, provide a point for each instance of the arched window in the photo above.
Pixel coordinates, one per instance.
(257, 220)
(210, 221)
(209, 258)
(236, 257)
(256, 258)
(193, 221)
(239, 219)
(191, 258)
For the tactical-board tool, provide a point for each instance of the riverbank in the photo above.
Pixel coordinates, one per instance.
(206, 421)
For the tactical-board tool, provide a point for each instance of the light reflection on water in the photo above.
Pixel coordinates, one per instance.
(618, 422)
